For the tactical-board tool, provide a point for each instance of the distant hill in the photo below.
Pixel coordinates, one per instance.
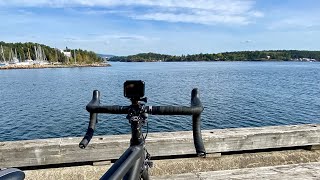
(269, 55)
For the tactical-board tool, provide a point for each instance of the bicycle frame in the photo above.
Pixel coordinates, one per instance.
(132, 163)
(128, 166)
(12, 173)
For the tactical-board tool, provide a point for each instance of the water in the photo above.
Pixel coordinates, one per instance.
(46, 103)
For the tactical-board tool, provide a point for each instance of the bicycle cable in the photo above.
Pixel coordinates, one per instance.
(147, 131)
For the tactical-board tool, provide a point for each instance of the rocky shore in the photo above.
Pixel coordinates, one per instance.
(40, 66)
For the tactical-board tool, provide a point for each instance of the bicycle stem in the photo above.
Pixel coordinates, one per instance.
(137, 118)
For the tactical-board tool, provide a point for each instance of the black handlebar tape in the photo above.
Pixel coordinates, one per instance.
(92, 125)
(93, 120)
(95, 101)
(196, 124)
(108, 109)
(197, 137)
(174, 110)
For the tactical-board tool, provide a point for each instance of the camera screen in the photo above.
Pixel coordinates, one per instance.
(134, 89)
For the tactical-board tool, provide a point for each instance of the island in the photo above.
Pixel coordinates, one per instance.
(270, 55)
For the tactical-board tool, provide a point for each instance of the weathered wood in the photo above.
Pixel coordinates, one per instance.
(293, 171)
(170, 167)
(233, 161)
(101, 163)
(213, 155)
(66, 150)
(314, 147)
(239, 139)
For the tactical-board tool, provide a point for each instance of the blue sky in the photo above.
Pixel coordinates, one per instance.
(124, 27)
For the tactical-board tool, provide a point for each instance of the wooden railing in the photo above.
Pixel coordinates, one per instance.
(103, 148)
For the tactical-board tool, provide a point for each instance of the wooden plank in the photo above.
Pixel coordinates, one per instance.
(66, 150)
(313, 147)
(293, 171)
(101, 163)
(239, 139)
(170, 167)
(213, 155)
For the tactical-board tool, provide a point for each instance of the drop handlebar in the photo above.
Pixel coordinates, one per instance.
(94, 108)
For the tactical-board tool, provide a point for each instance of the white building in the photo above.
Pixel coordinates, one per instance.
(68, 54)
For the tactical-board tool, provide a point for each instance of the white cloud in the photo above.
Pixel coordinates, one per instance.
(247, 41)
(208, 19)
(227, 5)
(295, 23)
(257, 14)
(207, 12)
(103, 38)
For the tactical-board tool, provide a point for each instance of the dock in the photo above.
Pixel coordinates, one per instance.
(43, 66)
(273, 152)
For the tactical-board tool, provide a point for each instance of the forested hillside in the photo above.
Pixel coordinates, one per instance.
(274, 55)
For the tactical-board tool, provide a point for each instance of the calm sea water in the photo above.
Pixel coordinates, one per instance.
(46, 103)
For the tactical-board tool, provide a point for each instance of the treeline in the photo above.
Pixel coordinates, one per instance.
(25, 51)
(276, 55)
(83, 56)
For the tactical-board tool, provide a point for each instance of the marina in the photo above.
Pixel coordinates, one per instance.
(14, 62)
(42, 66)
(43, 57)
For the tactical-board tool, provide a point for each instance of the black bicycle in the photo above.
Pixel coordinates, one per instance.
(11, 174)
(135, 161)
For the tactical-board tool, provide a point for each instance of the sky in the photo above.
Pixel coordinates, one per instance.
(175, 27)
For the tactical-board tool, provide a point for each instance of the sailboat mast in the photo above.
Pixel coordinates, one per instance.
(40, 53)
(16, 55)
(23, 55)
(2, 54)
(44, 55)
(35, 51)
(56, 55)
(11, 56)
(75, 56)
(29, 57)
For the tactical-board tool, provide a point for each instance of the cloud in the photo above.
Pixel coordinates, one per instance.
(129, 38)
(102, 38)
(303, 23)
(256, 14)
(208, 12)
(209, 19)
(227, 5)
(247, 41)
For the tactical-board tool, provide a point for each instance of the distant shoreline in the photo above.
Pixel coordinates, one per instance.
(269, 55)
(8, 67)
(216, 61)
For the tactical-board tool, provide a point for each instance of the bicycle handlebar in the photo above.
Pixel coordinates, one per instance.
(195, 110)
(154, 110)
